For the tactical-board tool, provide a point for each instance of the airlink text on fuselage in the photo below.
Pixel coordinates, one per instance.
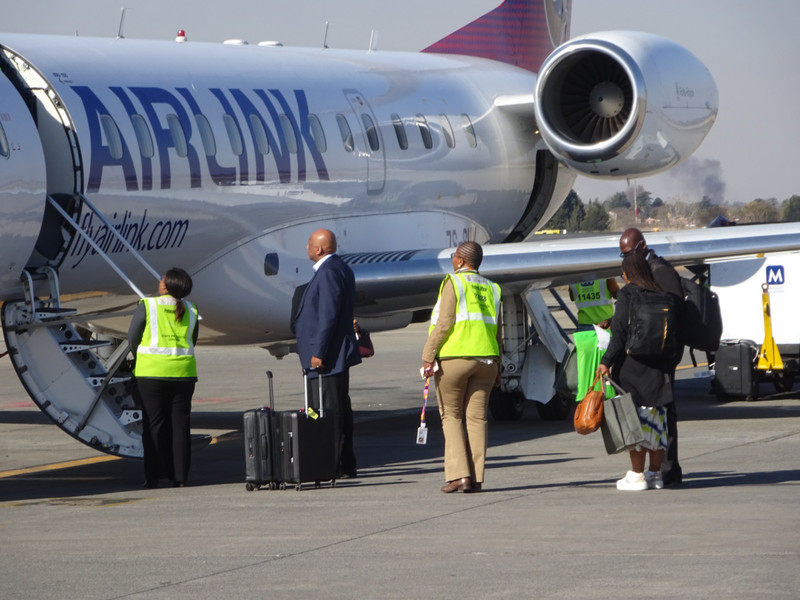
(167, 146)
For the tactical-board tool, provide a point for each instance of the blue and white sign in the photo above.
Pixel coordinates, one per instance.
(775, 275)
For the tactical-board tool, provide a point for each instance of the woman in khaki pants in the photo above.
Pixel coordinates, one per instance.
(463, 355)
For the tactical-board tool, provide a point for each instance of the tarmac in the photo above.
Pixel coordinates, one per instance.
(549, 524)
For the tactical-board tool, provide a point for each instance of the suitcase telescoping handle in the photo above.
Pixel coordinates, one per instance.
(271, 404)
(305, 389)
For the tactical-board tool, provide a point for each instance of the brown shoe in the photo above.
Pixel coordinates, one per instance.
(458, 485)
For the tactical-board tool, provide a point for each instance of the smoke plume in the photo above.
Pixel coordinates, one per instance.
(698, 177)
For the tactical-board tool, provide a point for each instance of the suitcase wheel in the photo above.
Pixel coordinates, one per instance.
(250, 486)
(333, 483)
(283, 486)
(317, 485)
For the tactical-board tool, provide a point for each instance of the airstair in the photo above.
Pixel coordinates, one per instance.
(79, 378)
(534, 345)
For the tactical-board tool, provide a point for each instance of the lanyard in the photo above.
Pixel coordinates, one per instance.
(422, 432)
(424, 401)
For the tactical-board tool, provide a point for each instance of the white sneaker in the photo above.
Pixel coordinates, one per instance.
(632, 482)
(654, 480)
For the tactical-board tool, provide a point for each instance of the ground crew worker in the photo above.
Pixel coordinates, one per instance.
(463, 355)
(595, 303)
(162, 336)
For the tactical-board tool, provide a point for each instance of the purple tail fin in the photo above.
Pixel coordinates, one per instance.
(518, 32)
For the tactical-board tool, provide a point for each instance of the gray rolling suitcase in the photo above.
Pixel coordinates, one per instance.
(734, 369)
(261, 449)
(307, 445)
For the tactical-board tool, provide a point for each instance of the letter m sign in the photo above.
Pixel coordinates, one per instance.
(775, 275)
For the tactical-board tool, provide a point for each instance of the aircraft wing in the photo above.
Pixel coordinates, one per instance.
(389, 279)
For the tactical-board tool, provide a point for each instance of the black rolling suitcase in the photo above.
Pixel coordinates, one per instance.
(307, 445)
(261, 446)
(734, 369)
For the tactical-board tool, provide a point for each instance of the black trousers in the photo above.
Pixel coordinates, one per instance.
(337, 406)
(670, 468)
(166, 406)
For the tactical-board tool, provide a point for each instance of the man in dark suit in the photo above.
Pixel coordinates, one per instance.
(668, 279)
(326, 342)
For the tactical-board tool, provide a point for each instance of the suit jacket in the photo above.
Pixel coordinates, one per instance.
(324, 318)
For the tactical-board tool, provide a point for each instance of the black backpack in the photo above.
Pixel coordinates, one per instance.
(701, 321)
(652, 325)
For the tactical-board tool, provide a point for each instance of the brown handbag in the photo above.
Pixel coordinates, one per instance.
(589, 412)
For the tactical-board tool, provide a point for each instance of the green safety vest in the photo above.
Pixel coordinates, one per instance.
(166, 349)
(593, 300)
(474, 332)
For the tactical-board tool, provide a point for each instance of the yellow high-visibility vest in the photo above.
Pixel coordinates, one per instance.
(593, 300)
(166, 349)
(474, 332)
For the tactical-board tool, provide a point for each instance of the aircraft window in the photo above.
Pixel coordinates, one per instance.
(143, 136)
(372, 132)
(206, 135)
(113, 138)
(447, 131)
(271, 264)
(178, 135)
(400, 131)
(347, 135)
(469, 130)
(425, 131)
(317, 133)
(233, 134)
(260, 134)
(4, 148)
(288, 133)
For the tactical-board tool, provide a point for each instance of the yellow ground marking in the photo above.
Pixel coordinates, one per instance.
(55, 466)
(67, 464)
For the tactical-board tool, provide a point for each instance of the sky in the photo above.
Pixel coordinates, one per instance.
(751, 49)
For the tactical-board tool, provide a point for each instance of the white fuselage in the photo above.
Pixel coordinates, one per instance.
(249, 152)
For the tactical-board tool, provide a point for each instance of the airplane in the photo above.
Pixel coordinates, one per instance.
(120, 158)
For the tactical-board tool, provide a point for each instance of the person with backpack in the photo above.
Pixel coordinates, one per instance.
(632, 242)
(643, 340)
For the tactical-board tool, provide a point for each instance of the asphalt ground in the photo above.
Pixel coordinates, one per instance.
(549, 524)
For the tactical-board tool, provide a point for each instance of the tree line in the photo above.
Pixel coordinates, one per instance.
(637, 207)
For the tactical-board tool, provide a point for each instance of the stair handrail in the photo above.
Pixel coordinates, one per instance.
(98, 249)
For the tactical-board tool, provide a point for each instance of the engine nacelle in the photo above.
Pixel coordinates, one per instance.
(624, 104)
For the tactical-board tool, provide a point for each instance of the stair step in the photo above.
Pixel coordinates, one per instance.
(68, 347)
(130, 416)
(97, 380)
(46, 314)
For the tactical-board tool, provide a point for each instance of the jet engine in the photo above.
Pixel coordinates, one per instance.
(623, 103)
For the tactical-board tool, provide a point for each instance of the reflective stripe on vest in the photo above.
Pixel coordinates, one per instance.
(167, 349)
(474, 332)
(593, 300)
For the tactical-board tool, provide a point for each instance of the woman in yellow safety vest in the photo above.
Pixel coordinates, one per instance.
(463, 355)
(162, 336)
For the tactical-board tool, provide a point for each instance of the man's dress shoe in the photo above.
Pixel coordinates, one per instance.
(458, 485)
